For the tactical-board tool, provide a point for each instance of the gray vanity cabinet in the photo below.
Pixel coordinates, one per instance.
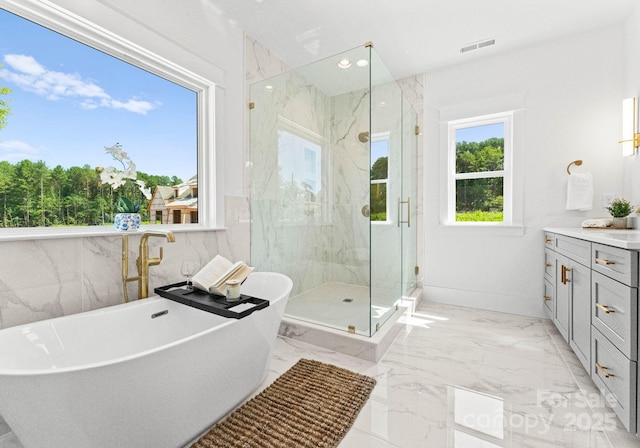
(593, 289)
(580, 306)
(572, 314)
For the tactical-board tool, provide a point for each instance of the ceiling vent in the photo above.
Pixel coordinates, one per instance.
(477, 45)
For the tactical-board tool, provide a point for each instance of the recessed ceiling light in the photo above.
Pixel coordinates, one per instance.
(268, 87)
(344, 63)
(362, 63)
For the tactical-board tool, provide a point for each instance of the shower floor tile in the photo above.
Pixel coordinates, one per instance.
(339, 305)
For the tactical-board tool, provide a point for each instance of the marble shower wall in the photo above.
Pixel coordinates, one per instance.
(349, 170)
(288, 235)
(46, 278)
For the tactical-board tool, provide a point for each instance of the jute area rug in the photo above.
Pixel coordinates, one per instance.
(311, 405)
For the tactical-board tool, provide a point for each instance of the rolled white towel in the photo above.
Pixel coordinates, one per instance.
(598, 222)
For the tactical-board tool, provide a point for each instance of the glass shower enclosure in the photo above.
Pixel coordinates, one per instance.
(333, 187)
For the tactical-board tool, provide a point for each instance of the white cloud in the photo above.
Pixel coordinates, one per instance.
(17, 145)
(16, 150)
(30, 75)
(24, 64)
(139, 107)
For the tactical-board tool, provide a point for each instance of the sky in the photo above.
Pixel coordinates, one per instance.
(68, 102)
(479, 133)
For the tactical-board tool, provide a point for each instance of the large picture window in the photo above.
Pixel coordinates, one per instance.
(66, 101)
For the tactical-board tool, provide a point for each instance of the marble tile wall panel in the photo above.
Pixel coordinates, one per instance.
(283, 238)
(350, 181)
(42, 279)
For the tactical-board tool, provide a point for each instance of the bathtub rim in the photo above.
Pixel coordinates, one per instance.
(140, 302)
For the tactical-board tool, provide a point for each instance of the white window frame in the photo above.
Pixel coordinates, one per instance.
(482, 107)
(210, 203)
(506, 173)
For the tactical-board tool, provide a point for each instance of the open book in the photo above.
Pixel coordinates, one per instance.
(214, 275)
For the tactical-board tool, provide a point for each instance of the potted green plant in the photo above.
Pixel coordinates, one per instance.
(620, 209)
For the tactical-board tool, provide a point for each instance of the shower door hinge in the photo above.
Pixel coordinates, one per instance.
(377, 326)
(417, 130)
(417, 270)
(351, 328)
(252, 105)
(368, 44)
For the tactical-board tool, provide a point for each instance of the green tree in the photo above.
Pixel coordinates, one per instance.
(484, 194)
(378, 191)
(5, 110)
(6, 178)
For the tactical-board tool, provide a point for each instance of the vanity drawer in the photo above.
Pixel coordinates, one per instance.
(549, 265)
(549, 240)
(619, 264)
(614, 311)
(577, 250)
(549, 298)
(615, 375)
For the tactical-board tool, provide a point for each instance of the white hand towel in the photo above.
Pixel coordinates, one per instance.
(580, 191)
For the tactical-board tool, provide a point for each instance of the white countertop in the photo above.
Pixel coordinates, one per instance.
(626, 239)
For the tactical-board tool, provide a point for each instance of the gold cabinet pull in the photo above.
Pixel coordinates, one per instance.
(563, 274)
(548, 240)
(605, 308)
(604, 261)
(547, 265)
(546, 298)
(603, 370)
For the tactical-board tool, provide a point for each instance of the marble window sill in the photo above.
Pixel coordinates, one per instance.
(40, 233)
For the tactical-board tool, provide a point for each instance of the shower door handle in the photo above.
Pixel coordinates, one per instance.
(365, 211)
(408, 221)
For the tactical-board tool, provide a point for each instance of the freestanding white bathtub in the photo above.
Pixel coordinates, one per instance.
(118, 378)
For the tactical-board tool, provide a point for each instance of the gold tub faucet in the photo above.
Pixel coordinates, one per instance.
(143, 262)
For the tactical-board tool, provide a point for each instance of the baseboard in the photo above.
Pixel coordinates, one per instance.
(512, 304)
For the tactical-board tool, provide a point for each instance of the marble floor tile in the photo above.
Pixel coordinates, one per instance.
(462, 378)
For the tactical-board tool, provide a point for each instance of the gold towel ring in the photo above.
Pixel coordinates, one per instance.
(576, 163)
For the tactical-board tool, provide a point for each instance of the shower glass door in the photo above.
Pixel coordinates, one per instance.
(392, 173)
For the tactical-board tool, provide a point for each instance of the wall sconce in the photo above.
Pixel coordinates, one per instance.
(630, 136)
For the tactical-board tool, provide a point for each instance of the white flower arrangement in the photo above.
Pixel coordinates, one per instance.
(121, 178)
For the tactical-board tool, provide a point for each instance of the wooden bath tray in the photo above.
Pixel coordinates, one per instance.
(211, 303)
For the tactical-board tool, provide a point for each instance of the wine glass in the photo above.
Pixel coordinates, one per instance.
(189, 269)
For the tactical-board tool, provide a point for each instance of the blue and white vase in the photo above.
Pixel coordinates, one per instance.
(127, 222)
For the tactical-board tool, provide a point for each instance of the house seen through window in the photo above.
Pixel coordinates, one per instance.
(64, 103)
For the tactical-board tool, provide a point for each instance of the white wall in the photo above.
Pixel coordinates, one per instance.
(572, 89)
(632, 88)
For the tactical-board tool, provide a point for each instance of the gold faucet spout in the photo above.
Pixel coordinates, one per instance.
(143, 262)
(168, 234)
